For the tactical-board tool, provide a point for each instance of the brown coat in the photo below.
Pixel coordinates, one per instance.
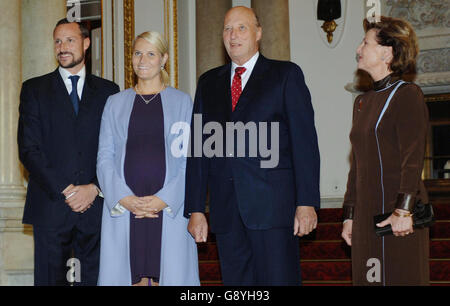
(401, 139)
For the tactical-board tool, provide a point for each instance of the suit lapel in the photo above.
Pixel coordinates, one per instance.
(88, 92)
(224, 89)
(252, 86)
(61, 96)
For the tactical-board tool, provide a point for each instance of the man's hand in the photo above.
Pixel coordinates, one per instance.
(151, 207)
(305, 220)
(81, 197)
(347, 232)
(198, 227)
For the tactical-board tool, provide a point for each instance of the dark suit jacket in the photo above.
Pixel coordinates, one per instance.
(57, 147)
(267, 198)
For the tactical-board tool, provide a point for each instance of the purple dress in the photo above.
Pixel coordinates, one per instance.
(145, 170)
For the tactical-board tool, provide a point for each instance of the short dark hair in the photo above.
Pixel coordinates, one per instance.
(84, 31)
(400, 35)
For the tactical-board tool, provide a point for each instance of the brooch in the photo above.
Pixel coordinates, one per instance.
(360, 105)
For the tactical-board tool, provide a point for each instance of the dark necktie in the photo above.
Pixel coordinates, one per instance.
(236, 86)
(74, 94)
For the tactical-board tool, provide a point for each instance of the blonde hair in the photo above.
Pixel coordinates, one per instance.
(161, 45)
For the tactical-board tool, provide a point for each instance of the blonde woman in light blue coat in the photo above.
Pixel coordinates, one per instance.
(178, 261)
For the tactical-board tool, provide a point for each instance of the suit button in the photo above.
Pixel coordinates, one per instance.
(230, 179)
(79, 154)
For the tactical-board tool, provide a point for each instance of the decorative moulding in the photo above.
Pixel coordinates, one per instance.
(430, 19)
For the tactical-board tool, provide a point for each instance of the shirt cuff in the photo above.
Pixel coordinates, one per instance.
(348, 212)
(118, 210)
(100, 193)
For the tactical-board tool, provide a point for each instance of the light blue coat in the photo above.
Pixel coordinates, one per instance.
(179, 261)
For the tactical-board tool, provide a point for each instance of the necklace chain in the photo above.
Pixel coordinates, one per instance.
(148, 101)
(151, 99)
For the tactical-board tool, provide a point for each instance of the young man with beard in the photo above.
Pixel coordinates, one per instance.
(59, 124)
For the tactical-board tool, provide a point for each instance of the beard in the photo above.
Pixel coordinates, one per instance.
(75, 61)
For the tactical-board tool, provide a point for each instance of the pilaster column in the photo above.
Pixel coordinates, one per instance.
(274, 18)
(27, 27)
(15, 246)
(11, 184)
(209, 27)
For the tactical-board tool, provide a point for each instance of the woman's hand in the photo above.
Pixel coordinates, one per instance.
(401, 226)
(132, 204)
(347, 232)
(150, 207)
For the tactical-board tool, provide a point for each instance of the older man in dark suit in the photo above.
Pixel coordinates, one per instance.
(59, 125)
(258, 207)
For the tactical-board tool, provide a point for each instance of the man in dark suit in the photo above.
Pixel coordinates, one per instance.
(256, 212)
(59, 125)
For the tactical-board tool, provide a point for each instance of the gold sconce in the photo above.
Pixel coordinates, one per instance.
(329, 11)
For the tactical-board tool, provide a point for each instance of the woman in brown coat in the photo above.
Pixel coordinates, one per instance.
(388, 146)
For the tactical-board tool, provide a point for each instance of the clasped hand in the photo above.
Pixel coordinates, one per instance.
(143, 207)
(81, 197)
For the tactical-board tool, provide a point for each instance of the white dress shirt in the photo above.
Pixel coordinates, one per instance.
(249, 65)
(65, 74)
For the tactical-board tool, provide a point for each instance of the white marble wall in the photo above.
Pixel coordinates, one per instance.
(327, 70)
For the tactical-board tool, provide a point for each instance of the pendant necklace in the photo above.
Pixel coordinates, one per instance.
(151, 99)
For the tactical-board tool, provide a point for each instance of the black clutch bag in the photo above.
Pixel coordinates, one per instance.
(423, 216)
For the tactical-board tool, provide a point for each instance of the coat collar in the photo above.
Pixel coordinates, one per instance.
(61, 98)
(385, 83)
(89, 90)
(223, 89)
